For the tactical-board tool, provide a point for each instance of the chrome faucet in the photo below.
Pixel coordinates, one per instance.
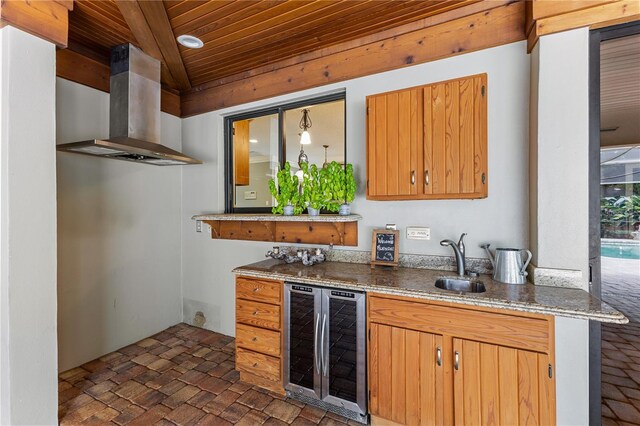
(458, 249)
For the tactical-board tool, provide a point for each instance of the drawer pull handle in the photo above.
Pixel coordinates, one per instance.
(255, 339)
(256, 289)
(255, 364)
(255, 313)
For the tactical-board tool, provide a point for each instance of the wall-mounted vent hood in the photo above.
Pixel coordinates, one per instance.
(134, 114)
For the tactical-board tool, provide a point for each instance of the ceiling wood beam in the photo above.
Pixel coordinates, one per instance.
(150, 25)
(488, 28)
(48, 20)
(549, 17)
(341, 47)
(137, 23)
(80, 69)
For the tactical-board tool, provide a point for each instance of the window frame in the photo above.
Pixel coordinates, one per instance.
(279, 109)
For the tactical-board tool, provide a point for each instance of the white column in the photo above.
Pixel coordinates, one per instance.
(559, 195)
(559, 152)
(28, 341)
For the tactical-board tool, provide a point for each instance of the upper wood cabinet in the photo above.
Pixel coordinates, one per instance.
(428, 142)
(241, 152)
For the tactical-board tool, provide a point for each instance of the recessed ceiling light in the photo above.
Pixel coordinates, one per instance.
(253, 140)
(190, 41)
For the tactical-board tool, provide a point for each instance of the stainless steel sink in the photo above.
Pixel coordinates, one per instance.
(460, 285)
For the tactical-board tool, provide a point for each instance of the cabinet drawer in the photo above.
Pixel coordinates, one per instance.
(260, 290)
(258, 339)
(258, 364)
(502, 329)
(258, 314)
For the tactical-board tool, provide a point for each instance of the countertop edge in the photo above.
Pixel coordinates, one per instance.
(452, 298)
(279, 218)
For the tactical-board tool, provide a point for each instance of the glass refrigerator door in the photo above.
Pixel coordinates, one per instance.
(302, 366)
(344, 363)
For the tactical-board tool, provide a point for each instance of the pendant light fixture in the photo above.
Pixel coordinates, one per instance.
(305, 139)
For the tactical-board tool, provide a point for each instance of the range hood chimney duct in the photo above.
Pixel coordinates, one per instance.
(134, 114)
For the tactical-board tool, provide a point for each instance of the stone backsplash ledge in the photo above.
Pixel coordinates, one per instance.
(539, 276)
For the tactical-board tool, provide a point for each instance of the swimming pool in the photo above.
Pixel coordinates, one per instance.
(621, 249)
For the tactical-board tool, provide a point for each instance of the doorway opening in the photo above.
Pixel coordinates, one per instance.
(615, 221)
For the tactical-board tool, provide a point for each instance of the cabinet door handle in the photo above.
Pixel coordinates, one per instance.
(456, 362)
(413, 177)
(325, 359)
(317, 346)
(439, 356)
(426, 177)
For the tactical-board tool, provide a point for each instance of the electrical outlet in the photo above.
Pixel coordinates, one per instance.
(198, 226)
(418, 233)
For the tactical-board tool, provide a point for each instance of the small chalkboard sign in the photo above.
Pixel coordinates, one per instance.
(384, 248)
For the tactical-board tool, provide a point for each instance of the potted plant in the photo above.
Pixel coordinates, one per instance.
(314, 194)
(285, 190)
(341, 186)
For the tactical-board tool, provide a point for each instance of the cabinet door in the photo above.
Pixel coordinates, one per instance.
(394, 143)
(496, 385)
(455, 138)
(406, 375)
(241, 152)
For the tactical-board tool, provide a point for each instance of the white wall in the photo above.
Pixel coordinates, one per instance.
(28, 362)
(207, 281)
(119, 260)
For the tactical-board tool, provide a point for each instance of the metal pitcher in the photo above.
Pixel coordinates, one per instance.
(509, 266)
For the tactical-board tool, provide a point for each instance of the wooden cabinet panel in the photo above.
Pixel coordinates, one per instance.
(258, 289)
(500, 385)
(405, 379)
(259, 332)
(455, 137)
(258, 314)
(241, 152)
(264, 366)
(258, 339)
(428, 142)
(490, 376)
(500, 328)
(394, 143)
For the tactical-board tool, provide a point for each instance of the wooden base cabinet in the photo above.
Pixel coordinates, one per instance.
(428, 365)
(259, 334)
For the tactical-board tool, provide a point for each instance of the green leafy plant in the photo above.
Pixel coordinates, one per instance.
(619, 216)
(314, 193)
(285, 190)
(349, 184)
(340, 185)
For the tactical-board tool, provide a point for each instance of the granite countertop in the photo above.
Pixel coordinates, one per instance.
(419, 283)
(280, 218)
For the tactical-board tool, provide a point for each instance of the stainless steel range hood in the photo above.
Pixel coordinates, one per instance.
(134, 114)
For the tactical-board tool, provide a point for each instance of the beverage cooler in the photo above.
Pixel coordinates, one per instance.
(325, 348)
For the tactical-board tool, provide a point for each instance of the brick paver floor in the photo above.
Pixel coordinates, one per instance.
(621, 343)
(181, 376)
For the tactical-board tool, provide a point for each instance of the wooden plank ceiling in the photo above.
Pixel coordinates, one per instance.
(238, 36)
